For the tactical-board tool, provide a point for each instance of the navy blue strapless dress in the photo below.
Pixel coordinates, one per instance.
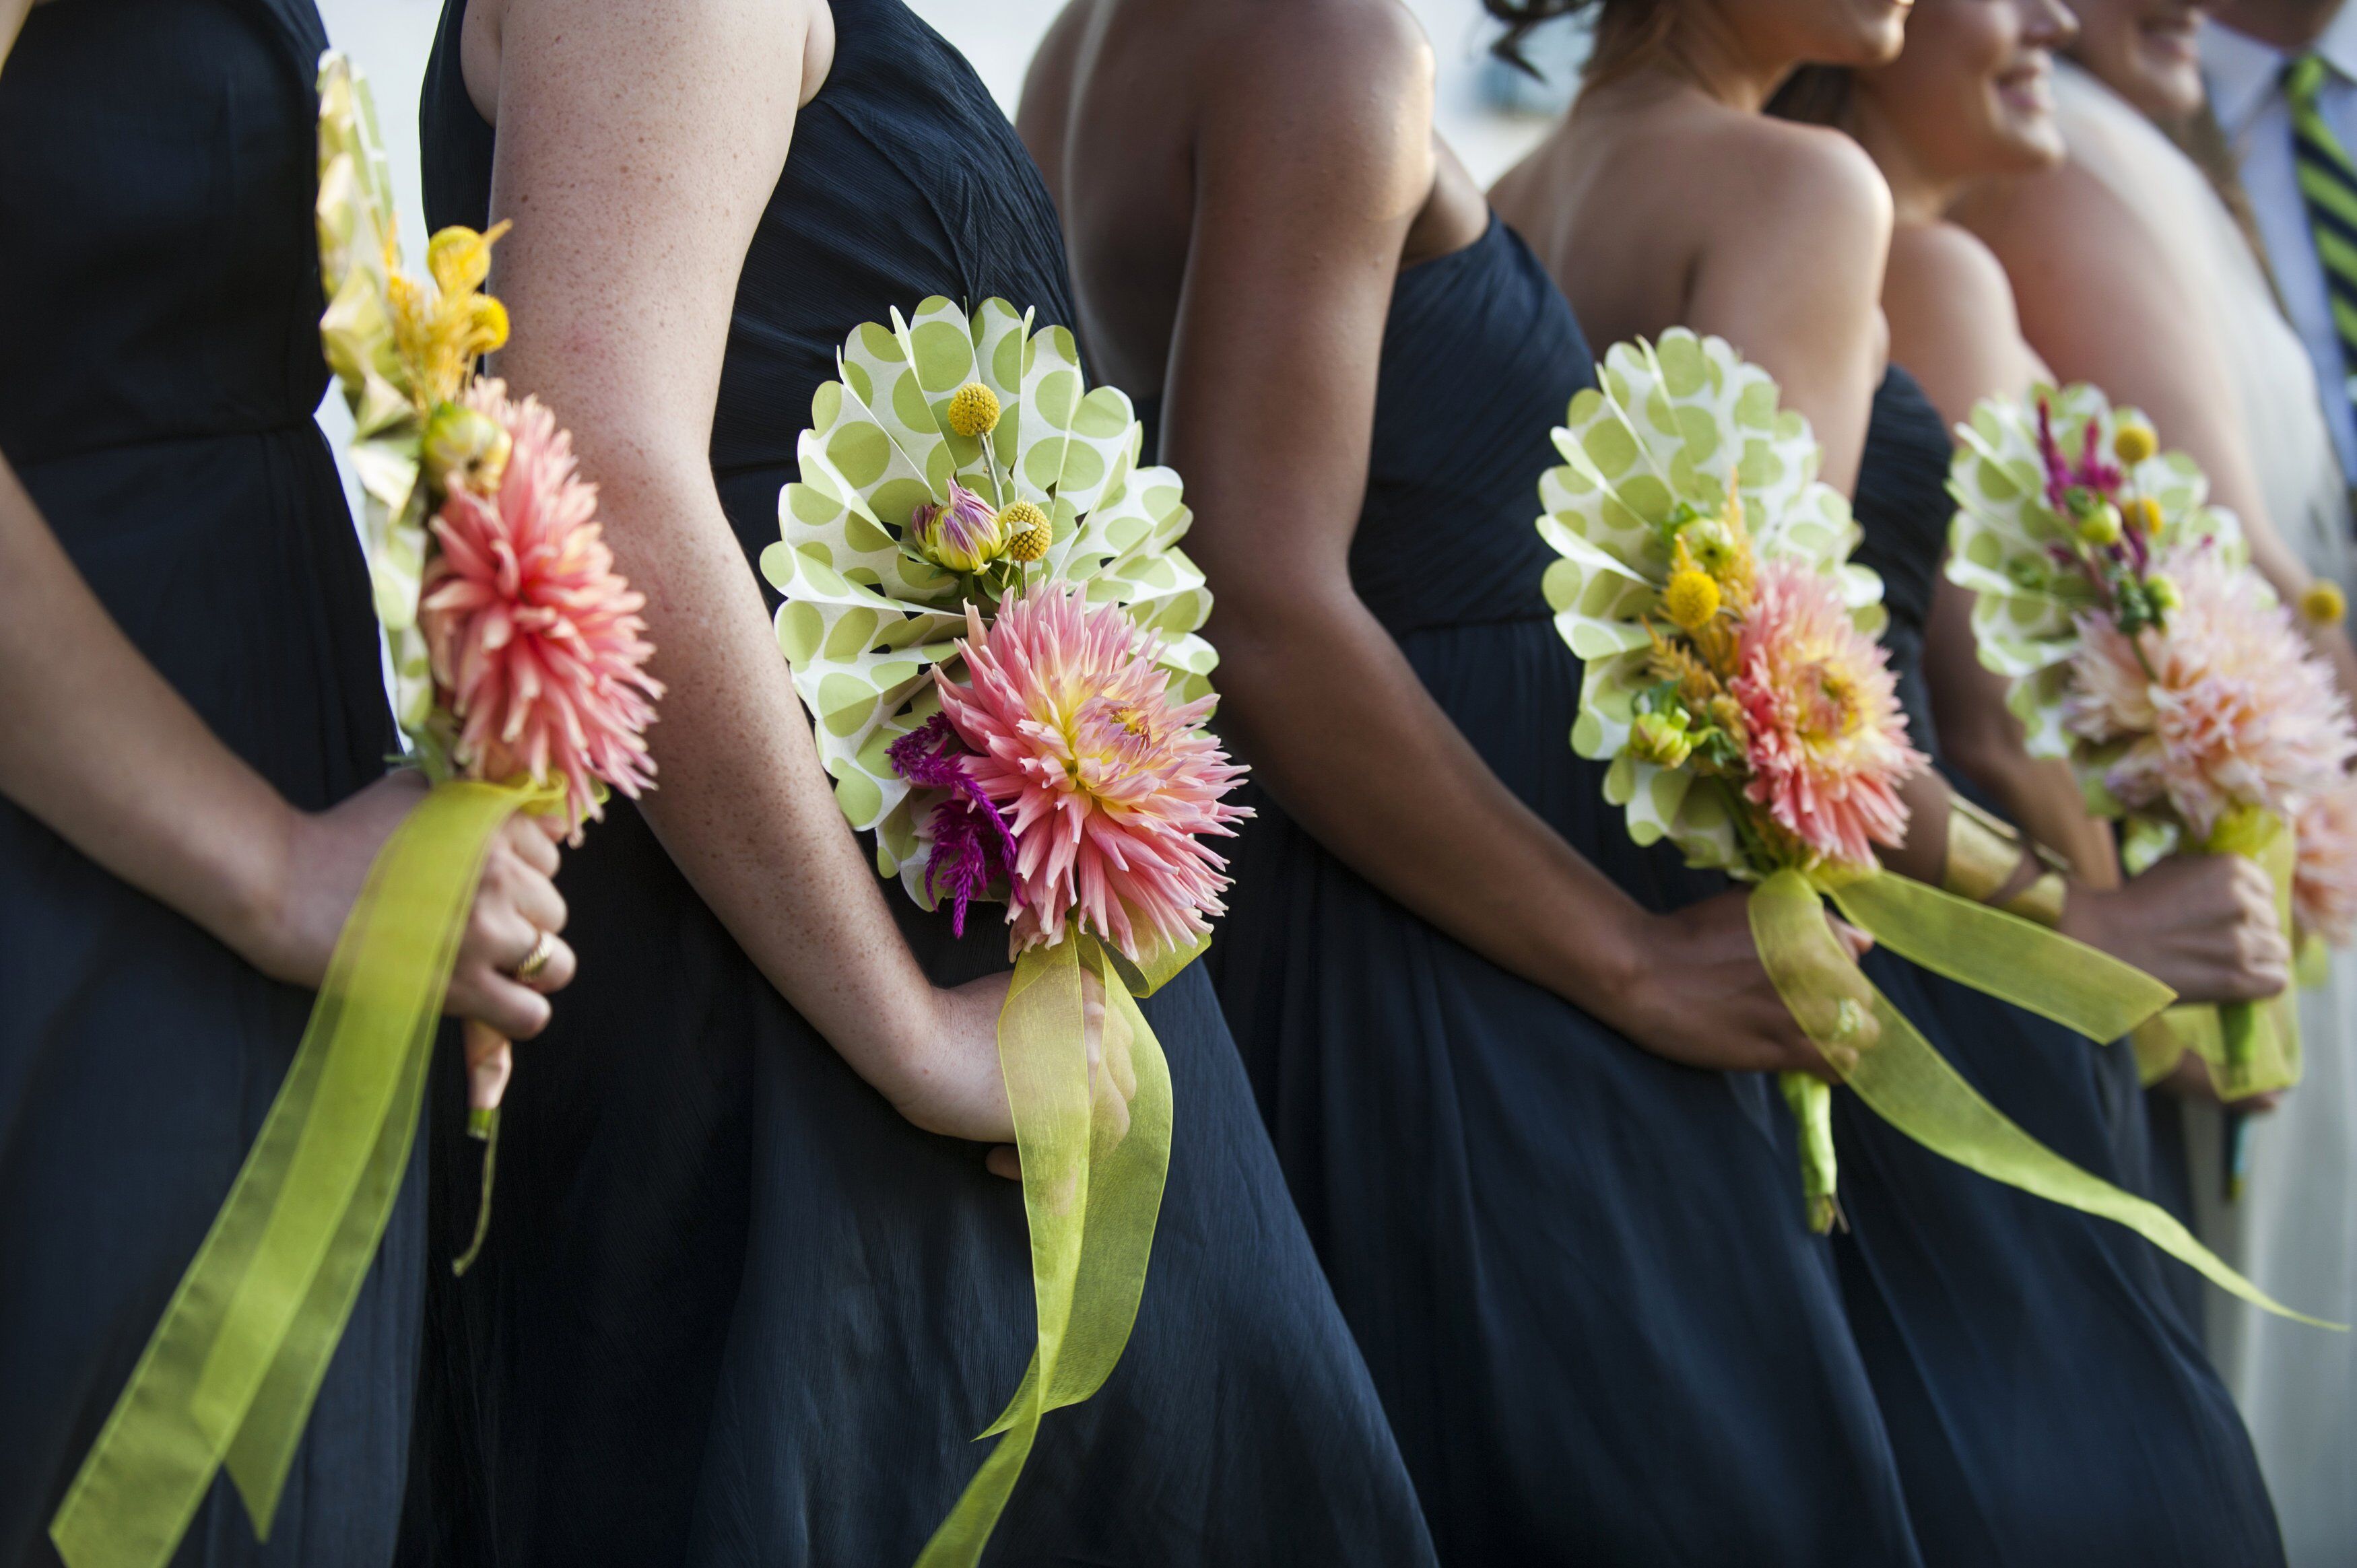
(1580, 1272)
(734, 1309)
(160, 364)
(2048, 1405)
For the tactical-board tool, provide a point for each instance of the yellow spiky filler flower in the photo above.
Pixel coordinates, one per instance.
(1027, 532)
(973, 411)
(2323, 604)
(2134, 443)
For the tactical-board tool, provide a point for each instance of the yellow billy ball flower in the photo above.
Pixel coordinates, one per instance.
(1691, 599)
(2142, 514)
(974, 410)
(1024, 526)
(2323, 604)
(2133, 444)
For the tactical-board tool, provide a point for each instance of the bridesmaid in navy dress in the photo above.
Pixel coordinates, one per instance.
(2047, 1402)
(738, 1306)
(189, 683)
(1479, 1018)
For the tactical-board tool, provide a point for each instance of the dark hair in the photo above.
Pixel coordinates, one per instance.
(1627, 32)
(1815, 95)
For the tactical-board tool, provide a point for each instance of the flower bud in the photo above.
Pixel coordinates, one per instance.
(1661, 739)
(2162, 591)
(464, 450)
(2100, 527)
(963, 534)
(1712, 545)
(2134, 443)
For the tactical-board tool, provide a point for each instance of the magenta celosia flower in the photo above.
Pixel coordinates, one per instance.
(1109, 786)
(1826, 743)
(972, 848)
(2324, 883)
(963, 534)
(2226, 707)
(534, 639)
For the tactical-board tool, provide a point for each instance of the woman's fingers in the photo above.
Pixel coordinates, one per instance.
(485, 995)
(528, 836)
(1004, 1161)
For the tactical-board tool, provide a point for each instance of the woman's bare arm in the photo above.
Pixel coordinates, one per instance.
(107, 754)
(637, 146)
(1307, 181)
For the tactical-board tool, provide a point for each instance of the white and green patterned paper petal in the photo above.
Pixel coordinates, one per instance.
(354, 213)
(1676, 421)
(2003, 541)
(865, 621)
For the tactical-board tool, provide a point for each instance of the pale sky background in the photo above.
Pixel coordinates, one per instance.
(391, 39)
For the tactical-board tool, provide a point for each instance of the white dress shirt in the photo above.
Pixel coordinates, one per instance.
(2246, 92)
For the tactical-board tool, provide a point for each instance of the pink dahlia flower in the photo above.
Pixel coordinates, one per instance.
(534, 638)
(2324, 884)
(2226, 707)
(1826, 743)
(1109, 786)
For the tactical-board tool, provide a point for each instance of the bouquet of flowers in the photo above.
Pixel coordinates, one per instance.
(1748, 717)
(2144, 650)
(519, 679)
(987, 616)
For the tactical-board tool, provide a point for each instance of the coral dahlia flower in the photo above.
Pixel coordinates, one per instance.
(2226, 707)
(1824, 738)
(2324, 881)
(534, 639)
(1109, 786)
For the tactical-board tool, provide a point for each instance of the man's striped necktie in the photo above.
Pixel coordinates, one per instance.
(2328, 188)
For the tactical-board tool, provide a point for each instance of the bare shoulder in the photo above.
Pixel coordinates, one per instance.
(2050, 215)
(1315, 51)
(1804, 176)
(1952, 319)
(1945, 270)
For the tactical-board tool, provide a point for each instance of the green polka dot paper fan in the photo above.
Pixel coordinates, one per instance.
(1669, 427)
(355, 221)
(2015, 552)
(866, 618)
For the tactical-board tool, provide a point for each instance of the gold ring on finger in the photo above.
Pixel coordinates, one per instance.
(542, 950)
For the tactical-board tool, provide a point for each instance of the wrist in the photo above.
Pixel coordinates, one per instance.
(254, 888)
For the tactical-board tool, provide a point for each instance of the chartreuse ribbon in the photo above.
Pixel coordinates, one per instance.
(1093, 1129)
(2250, 1048)
(230, 1372)
(1906, 1082)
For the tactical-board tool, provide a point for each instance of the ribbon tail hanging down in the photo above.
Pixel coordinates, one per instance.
(230, 1372)
(1905, 1080)
(1090, 1094)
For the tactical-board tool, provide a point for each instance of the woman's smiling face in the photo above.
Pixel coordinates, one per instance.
(1971, 93)
(2145, 50)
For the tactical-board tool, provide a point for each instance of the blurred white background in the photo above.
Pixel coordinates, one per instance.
(1488, 114)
